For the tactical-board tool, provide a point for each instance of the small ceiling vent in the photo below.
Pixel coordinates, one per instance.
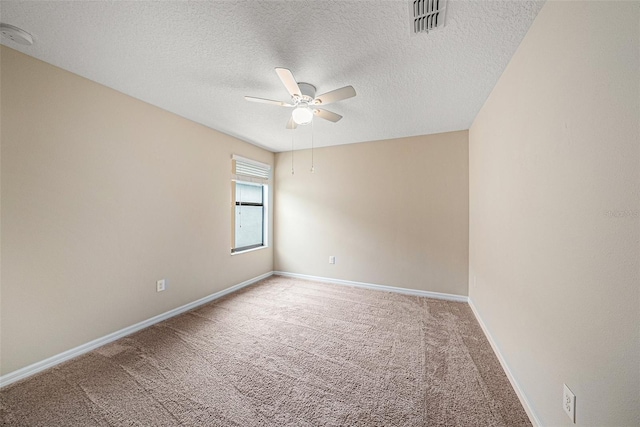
(427, 15)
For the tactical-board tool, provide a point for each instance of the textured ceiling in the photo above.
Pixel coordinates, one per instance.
(198, 60)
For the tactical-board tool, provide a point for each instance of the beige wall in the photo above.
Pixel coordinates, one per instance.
(554, 213)
(102, 195)
(393, 213)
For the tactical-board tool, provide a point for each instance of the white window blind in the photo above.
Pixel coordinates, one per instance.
(246, 168)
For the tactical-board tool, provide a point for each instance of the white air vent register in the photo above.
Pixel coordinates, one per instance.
(427, 15)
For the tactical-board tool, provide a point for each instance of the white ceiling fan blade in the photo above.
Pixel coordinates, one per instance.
(335, 95)
(327, 115)
(267, 101)
(289, 81)
(291, 124)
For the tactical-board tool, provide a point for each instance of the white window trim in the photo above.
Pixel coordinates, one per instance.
(249, 250)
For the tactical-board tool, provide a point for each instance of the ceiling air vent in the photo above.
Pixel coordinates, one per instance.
(427, 15)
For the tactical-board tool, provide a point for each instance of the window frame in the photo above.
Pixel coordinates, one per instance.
(265, 216)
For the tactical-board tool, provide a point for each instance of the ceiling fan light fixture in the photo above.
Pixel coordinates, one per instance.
(302, 115)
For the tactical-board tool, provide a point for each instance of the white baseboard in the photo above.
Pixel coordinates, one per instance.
(523, 398)
(27, 371)
(416, 292)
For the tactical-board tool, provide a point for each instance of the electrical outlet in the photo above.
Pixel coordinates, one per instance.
(332, 260)
(569, 403)
(161, 285)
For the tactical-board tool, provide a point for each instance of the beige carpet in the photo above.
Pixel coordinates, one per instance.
(283, 352)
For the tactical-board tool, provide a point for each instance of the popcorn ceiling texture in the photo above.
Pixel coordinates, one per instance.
(284, 352)
(198, 60)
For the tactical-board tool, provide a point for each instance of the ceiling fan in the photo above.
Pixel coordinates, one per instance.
(304, 101)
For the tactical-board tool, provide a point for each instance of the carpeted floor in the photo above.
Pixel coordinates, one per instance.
(283, 352)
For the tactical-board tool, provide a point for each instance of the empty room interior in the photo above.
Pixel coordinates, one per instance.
(320, 213)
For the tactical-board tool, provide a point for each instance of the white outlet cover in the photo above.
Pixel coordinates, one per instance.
(332, 260)
(160, 285)
(569, 403)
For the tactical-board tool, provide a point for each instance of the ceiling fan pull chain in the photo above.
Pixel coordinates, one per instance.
(312, 169)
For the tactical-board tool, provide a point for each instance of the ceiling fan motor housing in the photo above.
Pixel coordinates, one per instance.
(308, 92)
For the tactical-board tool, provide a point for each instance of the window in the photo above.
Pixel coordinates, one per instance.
(249, 204)
(250, 215)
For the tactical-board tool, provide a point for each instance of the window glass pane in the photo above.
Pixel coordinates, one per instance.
(248, 225)
(248, 193)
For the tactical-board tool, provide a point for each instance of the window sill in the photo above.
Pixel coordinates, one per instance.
(249, 250)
